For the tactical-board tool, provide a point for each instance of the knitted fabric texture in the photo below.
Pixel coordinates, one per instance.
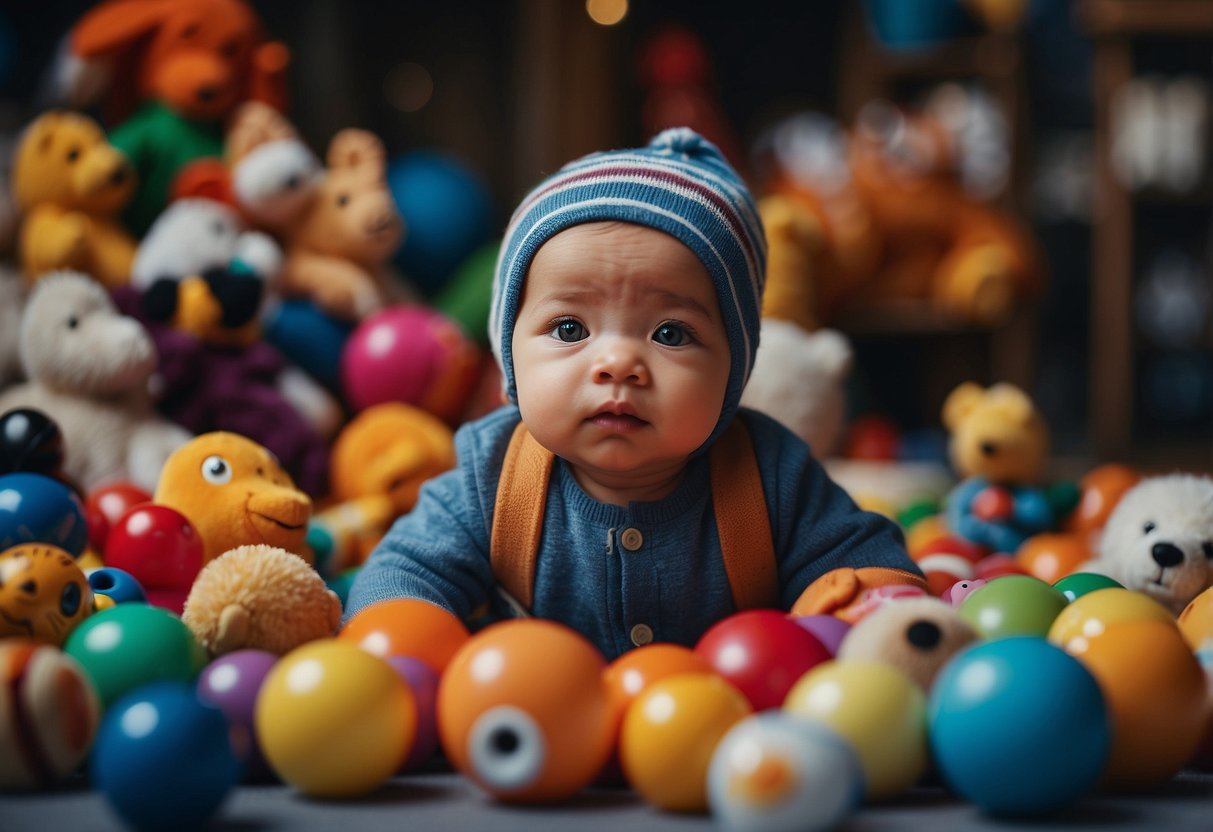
(679, 184)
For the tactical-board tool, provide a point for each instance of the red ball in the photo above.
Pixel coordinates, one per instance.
(762, 653)
(104, 505)
(874, 438)
(998, 565)
(160, 548)
(993, 504)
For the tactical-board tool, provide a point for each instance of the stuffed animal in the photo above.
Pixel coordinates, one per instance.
(89, 369)
(71, 184)
(44, 594)
(234, 493)
(851, 594)
(177, 69)
(999, 447)
(915, 635)
(12, 303)
(260, 597)
(1159, 539)
(339, 228)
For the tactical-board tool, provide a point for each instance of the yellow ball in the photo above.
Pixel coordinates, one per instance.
(334, 720)
(1087, 616)
(669, 734)
(878, 710)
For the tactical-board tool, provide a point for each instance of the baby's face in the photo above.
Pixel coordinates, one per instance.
(620, 356)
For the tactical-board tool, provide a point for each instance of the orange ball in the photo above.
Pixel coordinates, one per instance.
(1090, 615)
(1156, 693)
(636, 670)
(1100, 490)
(1052, 556)
(523, 711)
(670, 733)
(1196, 621)
(408, 627)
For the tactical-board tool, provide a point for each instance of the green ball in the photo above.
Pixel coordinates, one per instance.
(1080, 583)
(468, 294)
(1013, 605)
(131, 644)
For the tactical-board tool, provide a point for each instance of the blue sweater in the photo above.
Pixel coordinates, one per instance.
(674, 583)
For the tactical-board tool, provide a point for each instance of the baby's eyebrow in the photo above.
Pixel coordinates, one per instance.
(667, 299)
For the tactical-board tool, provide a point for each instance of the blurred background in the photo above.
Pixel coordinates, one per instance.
(1084, 123)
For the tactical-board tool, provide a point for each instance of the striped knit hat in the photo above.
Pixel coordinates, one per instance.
(679, 184)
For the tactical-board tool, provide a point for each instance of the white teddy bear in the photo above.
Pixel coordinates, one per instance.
(1159, 539)
(88, 369)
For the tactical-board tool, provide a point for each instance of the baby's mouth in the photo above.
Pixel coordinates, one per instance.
(617, 422)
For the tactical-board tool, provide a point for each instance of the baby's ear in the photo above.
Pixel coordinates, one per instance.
(960, 403)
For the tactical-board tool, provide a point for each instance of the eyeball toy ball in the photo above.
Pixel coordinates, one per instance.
(423, 682)
(1077, 584)
(37, 509)
(161, 548)
(1051, 556)
(878, 710)
(48, 714)
(105, 504)
(762, 653)
(830, 630)
(524, 713)
(129, 645)
(231, 683)
(1157, 695)
(44, 594)
(774, 772)
(1018, 726)
(116, 586)
(407, 627)
(1094, 612)
(1013, 605)
(670, 733)
(30, 441)
(333, 720)
(164, 759)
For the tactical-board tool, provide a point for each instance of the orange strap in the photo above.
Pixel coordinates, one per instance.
(737, 498)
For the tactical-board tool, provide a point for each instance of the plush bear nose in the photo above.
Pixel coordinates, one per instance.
(119, 175)
(924, 634)
(989, 448)
(1166, 554)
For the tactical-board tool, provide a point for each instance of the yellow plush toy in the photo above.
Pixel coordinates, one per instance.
(260, 597)
(235, 493)
(70, 184)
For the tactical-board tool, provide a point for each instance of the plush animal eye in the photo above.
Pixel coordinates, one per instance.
(230, 48)
(343, 200)
(1207, 548)
(69, 601)
(73, 322)
(216, 470)
(1148, 527)
(29, 587)
(73, 154)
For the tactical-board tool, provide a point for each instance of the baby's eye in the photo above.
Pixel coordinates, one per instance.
(569, 331)
(672, 335)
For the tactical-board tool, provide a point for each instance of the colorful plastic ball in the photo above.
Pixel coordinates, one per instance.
(670, 733)
(1018, 726)
(997, 565)
(1090, 614)
(447, 212)
(1013, 605)
(408, 627)
(632, 673)
(164, 760)
(1100, 490)
(48, 714)
(311, 339)
(133, 644)
(333, 720)
(411, 354)
(1196, 621)
(231, 683)
(116, 584)
(466, 297)
(1051, 556)
(774, 771)
(947, 559)
(924, 531)
(878, 710)
(161, 548)
(828, 629)
(524, 713)
(872, 437)
(44, 594)
(37, 509)
(1077, 584)
(1157, 695)
(30, 441)
(762, 653)
(105, 504)
(423, 682)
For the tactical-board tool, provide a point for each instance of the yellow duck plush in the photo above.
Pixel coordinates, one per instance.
(235, 493)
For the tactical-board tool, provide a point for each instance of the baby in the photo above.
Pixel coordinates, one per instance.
(623, 492)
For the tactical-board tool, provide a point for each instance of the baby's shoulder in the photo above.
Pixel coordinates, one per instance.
(772, 440)
(482, 442)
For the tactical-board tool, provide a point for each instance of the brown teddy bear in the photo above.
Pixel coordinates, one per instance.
(71, 184)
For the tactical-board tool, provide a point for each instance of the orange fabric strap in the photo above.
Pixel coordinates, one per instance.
(737, 498)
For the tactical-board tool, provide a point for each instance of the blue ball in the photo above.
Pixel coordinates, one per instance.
(163, 759)
(309, 339)
(447, 214)
(37, 509)
(1018, 726)
(117, 584)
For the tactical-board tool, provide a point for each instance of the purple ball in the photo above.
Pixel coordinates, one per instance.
(828, 629)
(231, 683)
(423, 681)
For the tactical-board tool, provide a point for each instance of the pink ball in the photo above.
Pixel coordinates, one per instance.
(409, 354)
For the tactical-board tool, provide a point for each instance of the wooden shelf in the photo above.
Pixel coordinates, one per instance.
(1104, 18)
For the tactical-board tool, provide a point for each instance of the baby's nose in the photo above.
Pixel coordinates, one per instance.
(620, 361)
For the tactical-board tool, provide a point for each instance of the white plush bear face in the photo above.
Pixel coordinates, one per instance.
(190, 237)
(74, 339)
(1159, 538)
